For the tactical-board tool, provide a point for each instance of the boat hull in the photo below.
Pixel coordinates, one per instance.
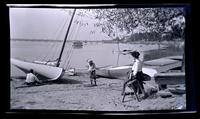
(122, 71)
(48, 72)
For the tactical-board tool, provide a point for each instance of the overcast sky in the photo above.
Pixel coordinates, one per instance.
(45, 23)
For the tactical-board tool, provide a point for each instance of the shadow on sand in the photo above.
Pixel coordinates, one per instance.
(65, 81)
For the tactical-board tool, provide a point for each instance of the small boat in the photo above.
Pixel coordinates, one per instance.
(77, 44)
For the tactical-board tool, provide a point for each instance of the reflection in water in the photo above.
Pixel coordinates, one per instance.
(77, 47)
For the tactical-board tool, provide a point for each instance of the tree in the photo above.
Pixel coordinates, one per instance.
(127, 19)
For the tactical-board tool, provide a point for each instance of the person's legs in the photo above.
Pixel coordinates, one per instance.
(139, 77)
(94, 76)
(91, 78)
(141, 87)
(91, 81)
(95, 83)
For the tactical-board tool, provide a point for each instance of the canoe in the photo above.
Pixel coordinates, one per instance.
(48, 72)
(122, 71)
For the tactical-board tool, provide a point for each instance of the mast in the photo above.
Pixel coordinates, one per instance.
(70, 23)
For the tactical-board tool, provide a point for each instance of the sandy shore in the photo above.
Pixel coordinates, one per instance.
(75, 93)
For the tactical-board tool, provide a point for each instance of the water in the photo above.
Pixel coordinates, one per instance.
(103, 54)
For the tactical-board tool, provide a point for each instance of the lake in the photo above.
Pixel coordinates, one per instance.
(103, 54)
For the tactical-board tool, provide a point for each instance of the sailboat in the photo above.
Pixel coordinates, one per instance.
(48, 70)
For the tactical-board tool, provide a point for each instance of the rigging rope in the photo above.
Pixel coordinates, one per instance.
(71, 51)
(41, 54)
(52, 44)
(55, 46)
(75, 35)
(118, 55)
(66, 50)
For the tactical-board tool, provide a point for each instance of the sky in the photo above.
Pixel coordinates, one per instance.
(46, 23)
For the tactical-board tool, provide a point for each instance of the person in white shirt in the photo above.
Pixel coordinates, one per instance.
(136, 72)
(92, 71)
(31, 79)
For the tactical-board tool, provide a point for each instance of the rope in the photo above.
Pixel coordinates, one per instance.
(66, 50)
(55, 49)
(67, 56)
(68, 63)
(41, 56)
(52, 45)
(71, 50)
(49, 47)
(118, 48)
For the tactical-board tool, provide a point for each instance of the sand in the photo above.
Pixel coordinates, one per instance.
(75, 93)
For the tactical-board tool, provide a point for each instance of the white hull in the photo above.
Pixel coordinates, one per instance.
(49, 72)
(122, 71)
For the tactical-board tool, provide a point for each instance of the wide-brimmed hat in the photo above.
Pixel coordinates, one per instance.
(135, 54)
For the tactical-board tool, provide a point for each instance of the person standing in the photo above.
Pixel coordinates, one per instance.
(92, 72)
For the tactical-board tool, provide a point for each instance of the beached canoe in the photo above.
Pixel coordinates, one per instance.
(122, 71)
(48, 72)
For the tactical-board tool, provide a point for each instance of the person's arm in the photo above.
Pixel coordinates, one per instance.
(130, 74)
(89, 68)
(37, 79)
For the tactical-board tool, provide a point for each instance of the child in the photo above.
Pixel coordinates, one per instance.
(92, 71)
